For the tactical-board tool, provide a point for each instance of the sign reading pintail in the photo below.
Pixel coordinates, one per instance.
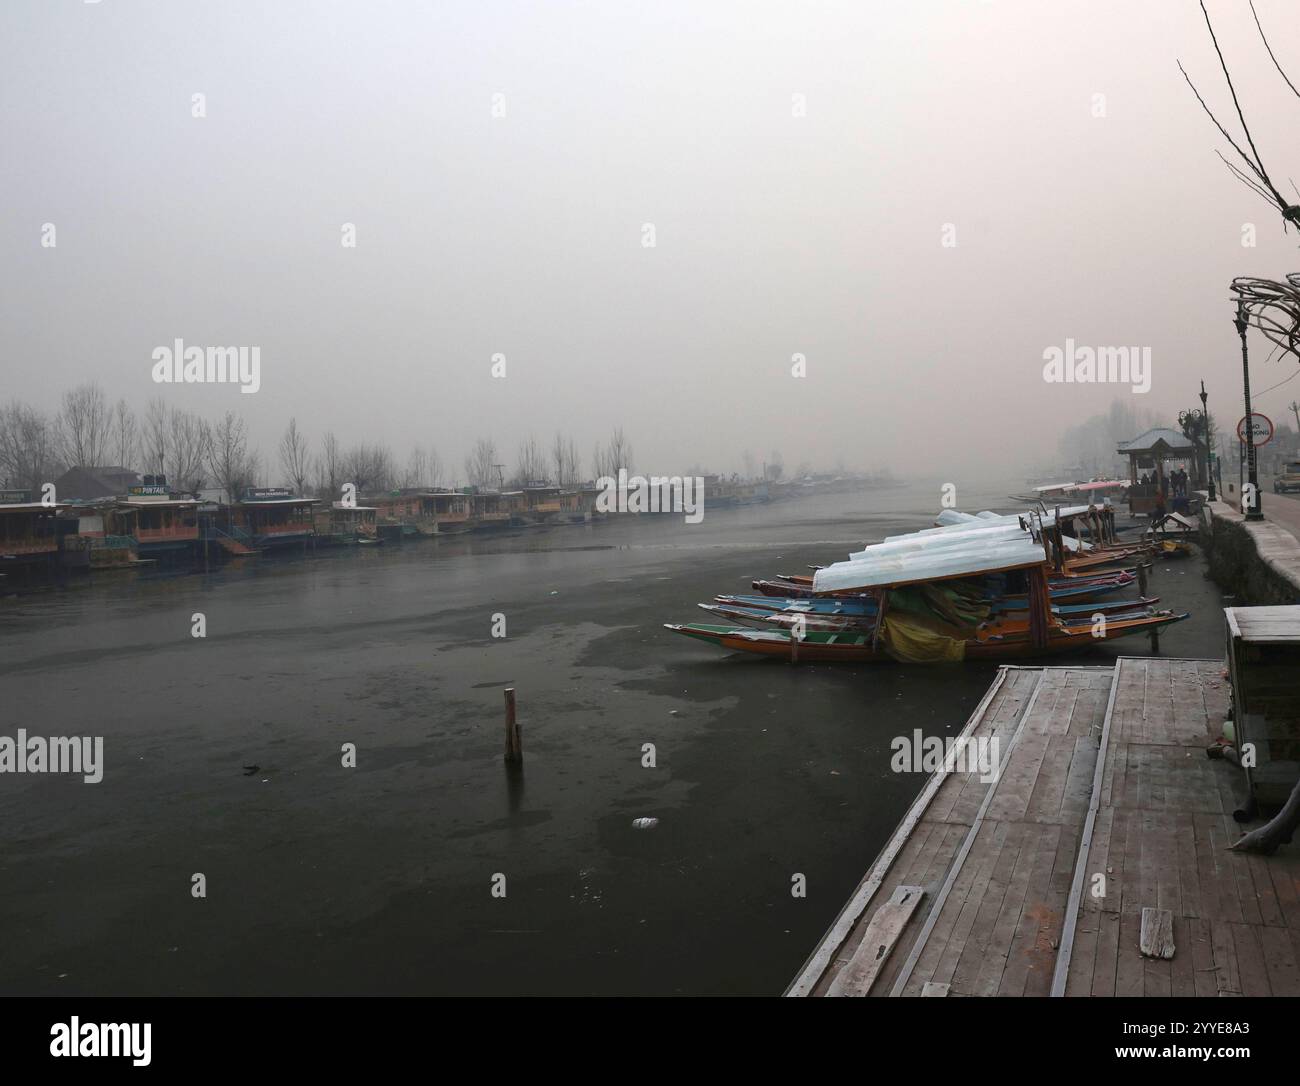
(82, 754)
(179, 364)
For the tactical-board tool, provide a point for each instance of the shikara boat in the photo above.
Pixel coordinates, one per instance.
(855, 646)
(863, 615)
(980, 588)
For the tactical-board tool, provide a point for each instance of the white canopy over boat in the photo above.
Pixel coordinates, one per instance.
(1016, 551)
(984, 532)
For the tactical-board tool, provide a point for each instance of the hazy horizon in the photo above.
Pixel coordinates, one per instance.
(776, 234)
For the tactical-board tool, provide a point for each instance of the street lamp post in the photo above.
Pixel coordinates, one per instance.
(1205, 423)
(1254, 511)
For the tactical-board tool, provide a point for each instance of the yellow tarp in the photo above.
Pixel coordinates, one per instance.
(912, 640)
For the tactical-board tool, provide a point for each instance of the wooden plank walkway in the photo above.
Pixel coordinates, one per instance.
(997, 863)
(1163, 829)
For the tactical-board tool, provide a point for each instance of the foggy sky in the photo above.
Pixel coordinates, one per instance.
(522, 234)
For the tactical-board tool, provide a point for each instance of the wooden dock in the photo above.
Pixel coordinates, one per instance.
(1036, 883)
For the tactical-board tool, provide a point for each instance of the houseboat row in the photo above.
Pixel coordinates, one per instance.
(151, 523)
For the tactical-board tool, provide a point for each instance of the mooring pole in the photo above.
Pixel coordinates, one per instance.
(1205, 421)
(514, 746)
(1255, 510)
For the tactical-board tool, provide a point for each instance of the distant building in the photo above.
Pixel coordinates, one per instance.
(86, 483)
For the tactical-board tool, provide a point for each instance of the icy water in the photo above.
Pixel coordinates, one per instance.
(379, 878)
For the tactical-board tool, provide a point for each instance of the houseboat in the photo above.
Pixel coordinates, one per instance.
(404, 513)
(541, 504)
(346, 525)
(577, 505)
(29, 533)
(86, 543)
(163, 526)
(488, 511)
(451, 510)
(271, 517)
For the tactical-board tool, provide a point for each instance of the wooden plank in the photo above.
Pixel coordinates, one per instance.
(1130, 975)
(905, 973)
(1106, 969)
(1225, 957)
(1074, 902)
(930, 988)
(923, 848)
(980, 966)
(844, 923)
(856, 978)
(1204, 973)
(1250, 961)
(1156, 939)
(1182, 969)
(997, 959)
(1033, 946)
(939, 948)
(1280, 961)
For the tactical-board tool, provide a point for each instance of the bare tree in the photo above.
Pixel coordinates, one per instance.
(1254, 176)
(480, 464)
(610, 457)
(294, 457)
(423, 468)
(84, 426)
(232, 467)
(620, 451)
(564, 458)
(369, 468)
(530, 469)
(188, 441)
(329, 468)
(28, 445)
(417, 466)
(570, 471)
(124, 438)
(600, 463)
(155, 437)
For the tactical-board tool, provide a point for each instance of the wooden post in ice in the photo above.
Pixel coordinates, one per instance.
(1142, 591)
(514, 746)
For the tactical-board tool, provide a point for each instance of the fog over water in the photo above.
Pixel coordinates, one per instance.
(799, 165)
